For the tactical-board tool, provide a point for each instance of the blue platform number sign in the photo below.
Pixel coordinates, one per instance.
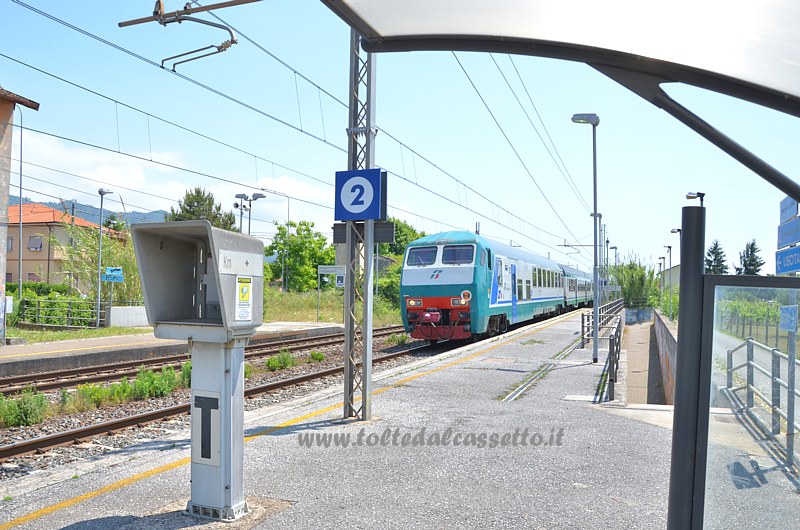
(360, 195)
(788, 320)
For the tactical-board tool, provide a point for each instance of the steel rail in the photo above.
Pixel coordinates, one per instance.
(75, 436)
(72, 377)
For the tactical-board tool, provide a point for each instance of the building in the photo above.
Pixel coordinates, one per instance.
(41, 261)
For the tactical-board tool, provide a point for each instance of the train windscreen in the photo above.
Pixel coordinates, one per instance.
(421, 256)
(458, 254)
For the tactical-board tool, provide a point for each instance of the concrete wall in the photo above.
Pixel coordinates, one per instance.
(666, 338)
(128, 316)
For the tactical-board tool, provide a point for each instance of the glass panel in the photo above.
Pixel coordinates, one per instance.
(750, 480)
(421, 256)
(458, 254)
(10, 244)
(519, 289)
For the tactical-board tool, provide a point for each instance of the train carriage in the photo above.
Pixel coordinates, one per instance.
(578, 287)
(457, 285)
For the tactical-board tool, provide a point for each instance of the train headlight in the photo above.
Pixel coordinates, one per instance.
(414, 302)
(466, 296)
(458, 302)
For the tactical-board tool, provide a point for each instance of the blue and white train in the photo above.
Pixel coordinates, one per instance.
(459, 285)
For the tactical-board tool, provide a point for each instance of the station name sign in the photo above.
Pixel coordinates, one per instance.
(787, 260)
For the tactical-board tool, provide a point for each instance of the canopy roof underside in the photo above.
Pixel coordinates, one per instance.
(749, 50)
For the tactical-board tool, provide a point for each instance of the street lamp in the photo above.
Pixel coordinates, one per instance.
(102, 194)
(662, 265)
(677, 231)
(616, 255)
(594, 121)
(669, 253)
(696, 195)
(249, 208)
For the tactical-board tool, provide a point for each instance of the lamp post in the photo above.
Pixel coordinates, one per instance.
(285, 268)
(594, 121)
(616, 255)
(696, 195)
(241, 207)
(249, 208)
(669, 253)
(102, 194)
(616, 273)
(19, 243)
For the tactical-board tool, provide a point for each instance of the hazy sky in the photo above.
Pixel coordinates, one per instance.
(273, 117)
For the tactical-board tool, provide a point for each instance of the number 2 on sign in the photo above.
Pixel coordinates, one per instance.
(358, 191)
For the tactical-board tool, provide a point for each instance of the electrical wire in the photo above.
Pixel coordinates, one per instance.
(511, 145)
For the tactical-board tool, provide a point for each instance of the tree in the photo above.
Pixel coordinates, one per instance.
(639, 284)
(750, 262)
(80, 262)
(404, 234)
(715, 259)
(114, 222)
(199, 204)
(301, 249)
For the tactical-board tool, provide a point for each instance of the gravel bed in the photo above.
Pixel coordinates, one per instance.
(38, 463)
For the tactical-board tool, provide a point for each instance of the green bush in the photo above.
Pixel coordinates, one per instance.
(30, 408)
(283, 360)
(186, 374)
(317, 356)
(150, 384)
(248, 370)
(397, 338)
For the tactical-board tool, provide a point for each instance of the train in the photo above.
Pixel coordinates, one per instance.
(460, 285)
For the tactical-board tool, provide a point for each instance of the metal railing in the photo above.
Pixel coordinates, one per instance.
(771, 403)
(606, 314)
(614, 349)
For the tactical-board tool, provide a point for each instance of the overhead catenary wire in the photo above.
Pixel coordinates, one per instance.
(567, 179)
(246, 105)
(511, 145)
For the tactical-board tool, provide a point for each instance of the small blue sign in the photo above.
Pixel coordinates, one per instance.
(789, 232)
(788, 209)
(787, 260)
(113, 278)
(788, 318)
(113, 270)
(360, 195)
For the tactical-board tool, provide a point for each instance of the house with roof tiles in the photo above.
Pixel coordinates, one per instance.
(41, 260)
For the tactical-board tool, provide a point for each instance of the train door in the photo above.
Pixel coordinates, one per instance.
(513, 293)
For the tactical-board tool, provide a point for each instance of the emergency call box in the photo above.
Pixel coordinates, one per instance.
(199, 282)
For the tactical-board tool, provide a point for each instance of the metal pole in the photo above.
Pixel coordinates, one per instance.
(684, 462)
(19, 243)
(669, 251)
(285, 254)
(249, 215)
(99, 259)
(596, 279)
(790, 378)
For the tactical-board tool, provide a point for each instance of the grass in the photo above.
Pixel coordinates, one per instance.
(31, 335)
(302, 307)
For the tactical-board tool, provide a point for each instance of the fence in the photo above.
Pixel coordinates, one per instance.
(614, 349)
(771, 379)
(606, 314)
(67, 313)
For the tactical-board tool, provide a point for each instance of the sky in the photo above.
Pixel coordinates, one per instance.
(465, 137)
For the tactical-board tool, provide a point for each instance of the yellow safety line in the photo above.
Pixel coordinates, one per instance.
(168, 467)
(83, 349)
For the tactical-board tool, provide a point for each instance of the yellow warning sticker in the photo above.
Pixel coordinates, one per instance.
(244, 304)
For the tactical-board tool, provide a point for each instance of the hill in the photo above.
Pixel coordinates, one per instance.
(92, 213)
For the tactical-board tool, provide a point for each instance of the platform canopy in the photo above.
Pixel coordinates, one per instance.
(750, 49)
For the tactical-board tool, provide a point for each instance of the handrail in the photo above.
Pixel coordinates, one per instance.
(607, 314)
(614, 350)
(770, 403)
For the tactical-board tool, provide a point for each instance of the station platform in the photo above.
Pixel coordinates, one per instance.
(50, 356)
(444, 449)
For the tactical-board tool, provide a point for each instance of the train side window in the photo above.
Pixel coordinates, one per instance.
(499, 272)
(483, 257)
(421, 256)
(519, 289)
(527, 289)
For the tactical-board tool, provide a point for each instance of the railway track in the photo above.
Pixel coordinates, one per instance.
(75, 436)
(70, 378)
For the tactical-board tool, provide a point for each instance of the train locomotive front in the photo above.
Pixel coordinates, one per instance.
(443, 278)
